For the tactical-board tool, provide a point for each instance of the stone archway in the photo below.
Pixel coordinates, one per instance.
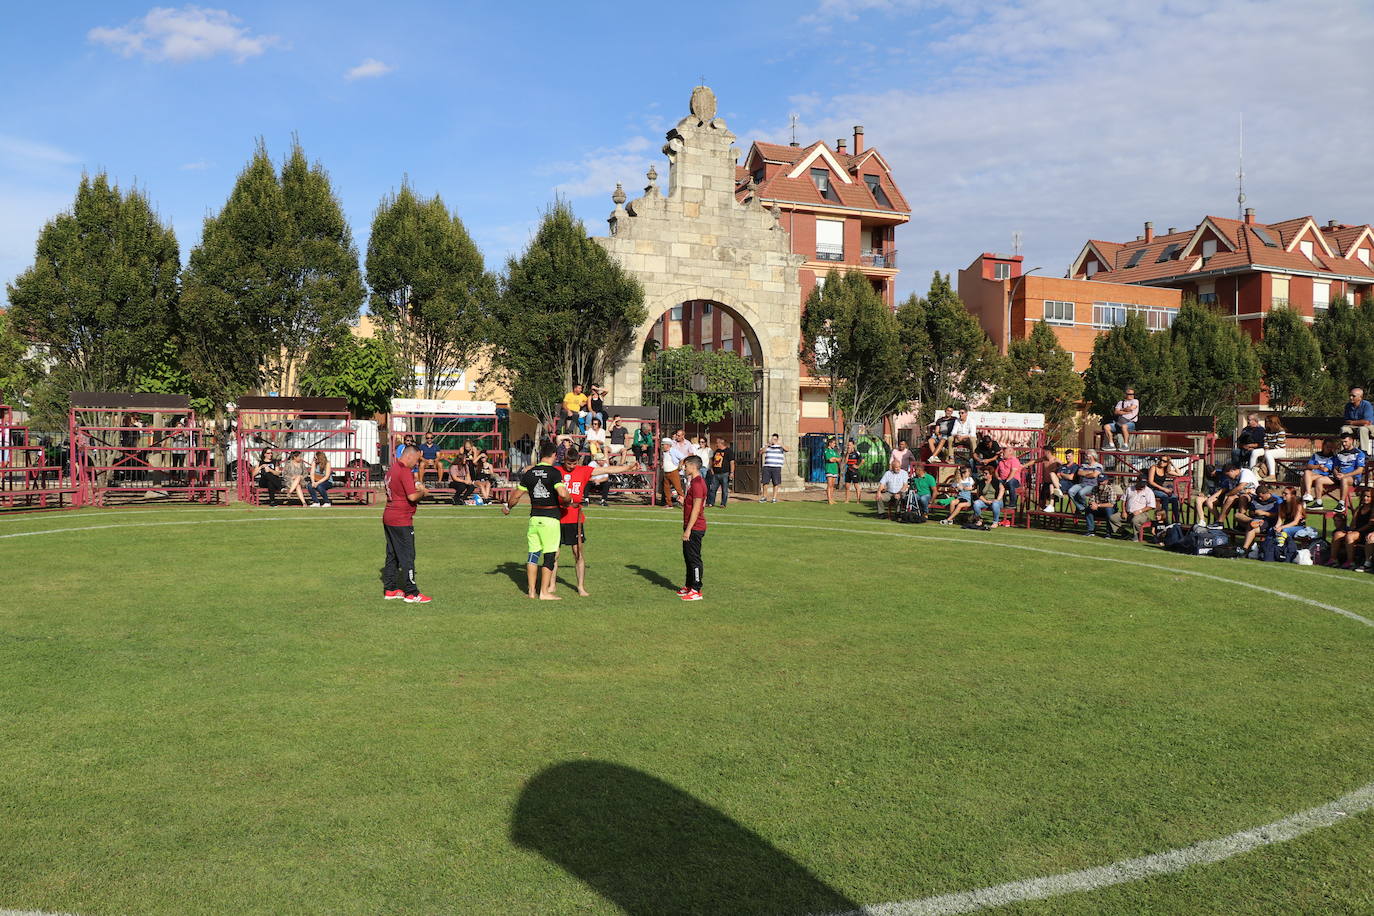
(697, 242)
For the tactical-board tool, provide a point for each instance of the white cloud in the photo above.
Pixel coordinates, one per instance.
(199, 165)
(178, 35)
(368, 69)
(598, 171)
(1070, 120)
(22, 153)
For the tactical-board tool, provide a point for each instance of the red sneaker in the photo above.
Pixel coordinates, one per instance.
(691, 596)
(682, 591)
(393, 593)
(418, 599)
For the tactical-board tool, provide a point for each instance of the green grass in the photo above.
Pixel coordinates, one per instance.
(225, 718)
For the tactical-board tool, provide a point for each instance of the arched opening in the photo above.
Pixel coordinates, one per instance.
(703, 369)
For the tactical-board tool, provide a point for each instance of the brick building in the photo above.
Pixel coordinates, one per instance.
(1243, 267)
(1008, 303)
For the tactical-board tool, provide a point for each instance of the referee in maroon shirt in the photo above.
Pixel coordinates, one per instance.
(403, 494)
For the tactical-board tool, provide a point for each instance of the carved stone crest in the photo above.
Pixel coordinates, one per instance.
(703, 105)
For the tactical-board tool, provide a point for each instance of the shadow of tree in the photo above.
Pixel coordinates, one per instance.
(651, 849)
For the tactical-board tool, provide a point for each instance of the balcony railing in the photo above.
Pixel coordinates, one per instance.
(871, 258)
(829, 252)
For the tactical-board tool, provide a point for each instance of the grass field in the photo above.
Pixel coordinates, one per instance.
(212, 711)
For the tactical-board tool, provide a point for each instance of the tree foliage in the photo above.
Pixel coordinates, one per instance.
(100, 299)
(1132, 355)
(362, 370)
(849, 335)
(566, 313)
(1291, 361)
(18, 371)
(1038, 377)
(705, 383)
(945, 354)
(1345, 336)
(1216, 361)
(430, 289)
(275, 273)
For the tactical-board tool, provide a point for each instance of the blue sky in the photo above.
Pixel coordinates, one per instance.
(1060, 119)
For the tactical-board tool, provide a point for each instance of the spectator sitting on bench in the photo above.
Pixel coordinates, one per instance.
(985, 455)
(1292, 514)
(294, 475)
(923, 485)
(891, 486)
(1047, 474)
(1275, 441)
(429, 458)
(962, 490)
(1319, 475)
(575, 410)
(1162, 481)
(1138, 510)
(1351, 465)
(406, 441)
(1234, 483)
(989, 498)
(269, 475)
(1065, 476)
(940, 432)
(1358, 417)
(321, 479)
(1009, 471)
(1353, 534)
(1260, 516)
(964, 432)
(1090, 472)
(1101, 503)
(457, 479)
(1249, 442)
(479, 471)
(1124, 416)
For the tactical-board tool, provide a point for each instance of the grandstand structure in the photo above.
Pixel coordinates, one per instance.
(305, 425)
(30, 476)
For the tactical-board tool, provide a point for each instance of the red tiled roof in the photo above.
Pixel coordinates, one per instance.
(1250, 252)
(802, 189)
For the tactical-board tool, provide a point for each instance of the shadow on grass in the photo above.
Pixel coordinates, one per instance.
(651, 849)
(653, 577)
(513, 571)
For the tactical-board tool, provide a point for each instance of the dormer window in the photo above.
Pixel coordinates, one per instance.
(1209, 248)
(821, 177)
(1363, 255)
(875, 187)
(1305, 246)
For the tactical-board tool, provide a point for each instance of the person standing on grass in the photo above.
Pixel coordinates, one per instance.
(544, 484)
(852, 459)
(403, 493)
(774, 454)
(722, 469)
(693, 527)
(572, 525)
(832, 468)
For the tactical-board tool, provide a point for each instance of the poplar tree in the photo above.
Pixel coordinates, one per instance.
(849, 335)
(567, 313)
(1291, 361)
(1038, 377)
(946, 354)
(430, 290)
(1345, 335)
(1216, 361)
(1132, 355)
(100, 299)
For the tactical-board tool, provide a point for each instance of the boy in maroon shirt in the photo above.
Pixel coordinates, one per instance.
(693, 526)
(398, 523)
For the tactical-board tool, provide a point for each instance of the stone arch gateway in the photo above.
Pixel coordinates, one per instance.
(697, 242)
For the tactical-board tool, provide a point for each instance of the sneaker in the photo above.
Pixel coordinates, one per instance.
(691, 596)
(1340, 505)
(1313, 503)
(775, 499)
(682, 591)
(418, 599)
(393, 594)
(314, 505)
(1049, 507)
(1004, 523)
(945, 521)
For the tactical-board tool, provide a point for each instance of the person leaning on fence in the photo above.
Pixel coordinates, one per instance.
(1124, 416)
(722, 470)
(1358, 417)
(1351, 466)
(321, 479)
(1101, 504)
(774, 454)
(891, 486)
(1249, 442)
(1088, 474)
(1160, 478)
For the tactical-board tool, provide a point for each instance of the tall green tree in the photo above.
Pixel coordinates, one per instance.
(566, 313)
(946, 355)
(1345, 335)
(1038, 377)
(362, 370)
(1217, 361)
(849, 335)
(100, 299)
(430, 290)
(1291, 361)
(1131, 354)
(275, 273)
(18, 371)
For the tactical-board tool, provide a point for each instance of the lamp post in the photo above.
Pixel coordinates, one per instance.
(1011, 296)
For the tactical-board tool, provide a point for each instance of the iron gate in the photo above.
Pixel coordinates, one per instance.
(742, 425)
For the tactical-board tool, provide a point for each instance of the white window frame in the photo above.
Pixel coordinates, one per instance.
(1059, 312)
(1363, 255)
(1209, 248)
(1001, 271)
(1091, 268)
(827, 250)
(1108, 315)
(1307, 249)
(1324, 302)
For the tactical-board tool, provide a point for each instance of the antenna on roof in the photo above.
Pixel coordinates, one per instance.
(1240, 173)
(793, 118)
(1016, 242)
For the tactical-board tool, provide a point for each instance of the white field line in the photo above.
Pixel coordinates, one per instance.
(1124, 871)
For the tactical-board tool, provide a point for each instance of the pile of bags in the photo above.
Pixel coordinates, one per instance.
(1304, 546)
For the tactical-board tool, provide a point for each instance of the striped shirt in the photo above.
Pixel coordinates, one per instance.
(773, 456)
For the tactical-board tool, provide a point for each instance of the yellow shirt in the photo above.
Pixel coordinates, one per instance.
(573, 402)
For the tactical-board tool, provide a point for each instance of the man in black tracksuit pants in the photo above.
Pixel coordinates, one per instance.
(402, 495)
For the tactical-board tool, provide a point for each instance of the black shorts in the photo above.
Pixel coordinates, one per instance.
(570, 534)
(851, 475)
(773, 476)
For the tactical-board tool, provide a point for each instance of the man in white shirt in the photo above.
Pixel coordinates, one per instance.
(1239, 484)
(1139, 504)
(674, 450)
(964, 432)
(891, 486)
(1122, 423)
